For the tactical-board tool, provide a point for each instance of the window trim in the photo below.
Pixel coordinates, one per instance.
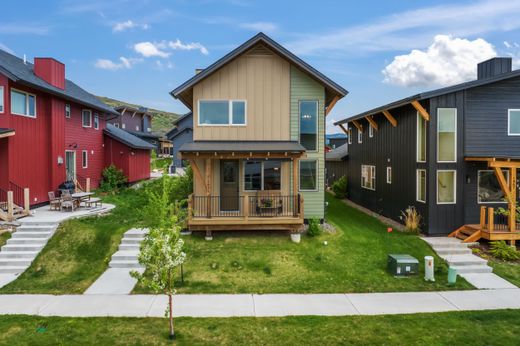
(370, 131)
(359, 136)
(454, 186)
(84, 159)
(456, 135)
(83, 119)
(67, 106)
(317, 175)
(2, 99)
(509, 122)
(389, 174)
(261, 175)
(317, 123)
(419, 120)
(478, 185)
(230, 113)
(417, 182)
(27, 94)
(96, 121)
(374, 176)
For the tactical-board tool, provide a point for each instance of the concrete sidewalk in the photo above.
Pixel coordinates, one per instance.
(256, 305)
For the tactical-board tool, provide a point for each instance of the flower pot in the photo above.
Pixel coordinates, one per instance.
(296, 237)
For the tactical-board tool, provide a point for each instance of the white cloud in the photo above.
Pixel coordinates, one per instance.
(163, 66)
(178, 45)
(260, 26)
(124, 63)
(129, 24)
(446, 61)
(149, 49)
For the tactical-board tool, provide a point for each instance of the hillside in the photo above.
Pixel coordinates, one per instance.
(162, 121)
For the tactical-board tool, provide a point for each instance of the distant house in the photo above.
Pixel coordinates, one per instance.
(453, 153)
(335, 140)
(336, 164)
(180, 134)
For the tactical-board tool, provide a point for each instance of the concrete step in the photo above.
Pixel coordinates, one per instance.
(453, 251)
(131, 240)
(12, 269)
(473, 269)
(18, 254)
(28, 241)
(125, 255)
(32, 223)
(35, 228)
(129, 247)
(136, 231)
(21, 247)
(464, 260)
(30, 234)
(15, 262)
(124, 264)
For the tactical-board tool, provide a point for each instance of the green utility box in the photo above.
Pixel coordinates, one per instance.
(402, 265)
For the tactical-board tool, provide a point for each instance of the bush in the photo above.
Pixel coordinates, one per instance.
(501, 250)
(340, 188)
(113, 179)
(412, 219)
(314, 227)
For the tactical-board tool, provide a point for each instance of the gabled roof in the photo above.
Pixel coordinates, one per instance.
(174, 133)
(330, 85)
(433, 93)
(337, 154)
(142, 134)
(142, 110)
(178, 129)
(126, 138)
(15, 69)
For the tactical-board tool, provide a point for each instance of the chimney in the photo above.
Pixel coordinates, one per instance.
(50, 70)
(494, 67)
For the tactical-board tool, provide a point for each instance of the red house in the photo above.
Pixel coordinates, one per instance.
(51, 130)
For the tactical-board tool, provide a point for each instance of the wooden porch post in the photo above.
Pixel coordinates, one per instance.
(295, 185)
(87, 185)
(512, 201)
(208, 170)
(482, 218)
(26, 200)
(10, 206)
(491, 219)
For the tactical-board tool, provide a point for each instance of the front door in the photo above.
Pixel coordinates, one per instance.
(70, 165)
(229, 185)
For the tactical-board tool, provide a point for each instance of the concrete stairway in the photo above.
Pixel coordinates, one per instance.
(24, 245)
(126, 256)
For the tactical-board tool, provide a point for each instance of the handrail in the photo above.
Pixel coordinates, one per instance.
(18, 193)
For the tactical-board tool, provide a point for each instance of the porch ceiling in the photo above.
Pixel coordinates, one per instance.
(242, 149)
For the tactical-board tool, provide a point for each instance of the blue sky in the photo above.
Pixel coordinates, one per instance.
(139, 50)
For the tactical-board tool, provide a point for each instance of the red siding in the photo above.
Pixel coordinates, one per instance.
(135, 163)
(50, 70)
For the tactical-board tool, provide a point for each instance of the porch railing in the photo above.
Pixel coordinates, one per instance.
(491, 221)
(14, 202)
(85, 184)
(245, 206)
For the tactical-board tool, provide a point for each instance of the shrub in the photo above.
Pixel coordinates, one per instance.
(412, 219)
(314, 227)
(501, 250)
(340, 188)
(113, 179)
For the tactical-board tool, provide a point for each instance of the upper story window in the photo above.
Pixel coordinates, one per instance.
(262, 175)
(421, 138)
(513, 122)
(370, 131)
(222, 113)
(349, 135)
(123, 126)
(137, 128)
(368, 177)
(96, 121)
(1, 99)
(86, 118)
(67, 111)
(359, 136)
(309, 125)
(23, 103)
(447, 135)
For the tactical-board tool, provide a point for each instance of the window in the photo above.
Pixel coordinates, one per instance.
(389, 175)
(116, 125)
(350, 135)
(23, 103)
(1, 99)
(370, 131)
(123, 126)
(421, 185)
(368, 177)
(86, 118)
(219, 112)
(447, 135)
(96, 121)
(359, 136)
(137, 127)
(308, 175)
(421, 138)
(513, 122)
(309, 124)
(67, 111)
(446, 187)
(489, 190)
(84, 159)
(262, 175)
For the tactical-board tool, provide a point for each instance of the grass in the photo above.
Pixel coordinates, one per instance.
(4, 237)
(161, 163)
(353, 261)
(498, 327)
(507, 270)
(80, 250)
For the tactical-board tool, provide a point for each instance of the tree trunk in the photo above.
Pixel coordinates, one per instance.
(172, 331)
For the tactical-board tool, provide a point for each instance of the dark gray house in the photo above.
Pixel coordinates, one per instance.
(180, 134)
(336, 164)
(453, 153)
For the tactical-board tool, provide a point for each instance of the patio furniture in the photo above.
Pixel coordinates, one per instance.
(54, 202)
(81, 197)
(68, 203)
(89, 203)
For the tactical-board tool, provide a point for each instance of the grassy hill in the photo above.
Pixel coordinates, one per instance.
(162, 121)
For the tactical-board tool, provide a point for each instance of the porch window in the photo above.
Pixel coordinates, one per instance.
(446, 187)
(489, 190)
(222, 112)
(513, 122)
(309, 125)
(67, 111)
(84, 159)
(447, 135)
(23, 103)
(308, 175)
(272, 176)
(86, 118)
(1, 99)
(421, 185)
(368, 177)
(262, 175)
(421, 138)
(96, 121)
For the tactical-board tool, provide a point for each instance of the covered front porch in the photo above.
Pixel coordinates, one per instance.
(244, 186)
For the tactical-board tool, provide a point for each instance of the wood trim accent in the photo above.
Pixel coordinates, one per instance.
(504, 164)
(503, 184)
(482, 217)
(372, 122)
(421, 110)
(227, 155)
(491, 219)
(512, 204)
(390, 118)
(344, 129)
(198, 174)
(8, 134)
(331, 105)
(357, 125)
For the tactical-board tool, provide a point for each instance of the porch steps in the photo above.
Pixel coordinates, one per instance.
(126, 256)
(467, 233)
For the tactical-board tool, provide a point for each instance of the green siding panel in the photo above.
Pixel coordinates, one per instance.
(305, 88)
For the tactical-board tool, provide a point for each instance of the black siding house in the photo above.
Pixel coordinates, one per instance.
(477, 112)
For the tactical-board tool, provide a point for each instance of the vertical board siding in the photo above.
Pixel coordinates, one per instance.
(305, 88)
(334, 170)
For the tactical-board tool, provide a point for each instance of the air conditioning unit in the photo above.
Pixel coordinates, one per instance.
(402, 265)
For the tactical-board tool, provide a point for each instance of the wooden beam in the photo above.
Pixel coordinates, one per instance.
(295, 176)
(390, 118)
(208, 168)
(331, 105)
(357, 125)
(512, 204)
(344, 129)
(197, 172)
(421, 110)
(504, 164)
(503, 183)
(372, 122)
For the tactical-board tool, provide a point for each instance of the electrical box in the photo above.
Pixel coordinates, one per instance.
(402, 265)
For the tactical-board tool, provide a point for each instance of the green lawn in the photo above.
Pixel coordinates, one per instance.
(80, 250)
(508, 270)
(353, 261)
(161, 163)
(4, 237)
(499, 327)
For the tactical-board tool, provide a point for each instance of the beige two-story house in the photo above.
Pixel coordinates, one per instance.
(258, 139)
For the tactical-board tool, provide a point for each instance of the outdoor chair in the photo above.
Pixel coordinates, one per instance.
(68, 203)
(54, 202)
